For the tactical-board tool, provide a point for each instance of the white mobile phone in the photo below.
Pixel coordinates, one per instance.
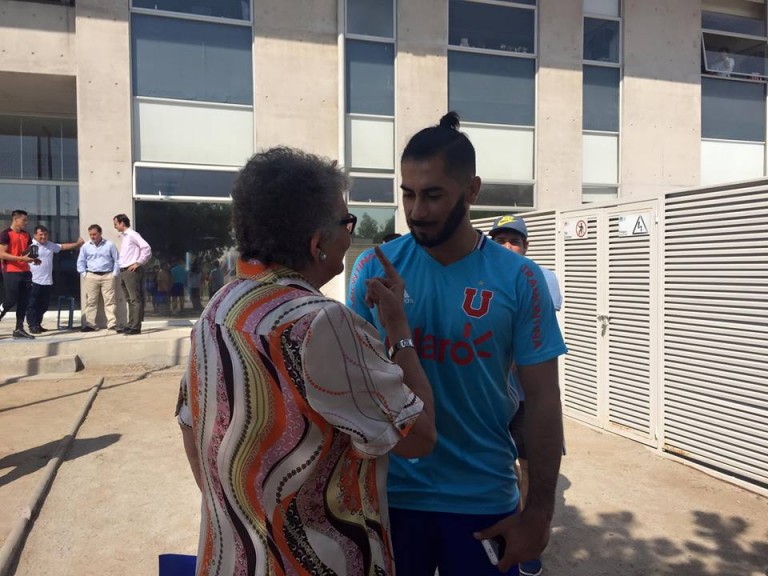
(494, 549)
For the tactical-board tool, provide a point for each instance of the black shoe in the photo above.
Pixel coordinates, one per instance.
(20, 333)
(132, 331)
(118, 329)
(42, 329)
(35, 330)
(87, 329)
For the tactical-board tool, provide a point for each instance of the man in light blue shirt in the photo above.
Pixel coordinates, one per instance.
(99, 266)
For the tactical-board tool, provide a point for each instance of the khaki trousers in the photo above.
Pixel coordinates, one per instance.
(96, 285)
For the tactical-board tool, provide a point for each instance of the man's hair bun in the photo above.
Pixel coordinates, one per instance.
(450, 121)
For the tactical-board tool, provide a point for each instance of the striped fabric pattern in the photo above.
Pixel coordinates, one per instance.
(294, 405)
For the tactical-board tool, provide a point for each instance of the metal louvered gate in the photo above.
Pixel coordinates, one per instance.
(666, 322)
(581, 374)
(610, 265)
(715, 405)
(632, 330)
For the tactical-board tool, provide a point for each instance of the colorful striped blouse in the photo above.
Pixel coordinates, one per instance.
(293, 405)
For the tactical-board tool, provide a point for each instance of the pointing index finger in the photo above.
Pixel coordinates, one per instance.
(389, 270)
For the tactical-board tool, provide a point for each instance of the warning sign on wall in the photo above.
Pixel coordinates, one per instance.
(575, 229)
(635, 224)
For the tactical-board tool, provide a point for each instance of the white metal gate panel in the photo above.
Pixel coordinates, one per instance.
(715, 315)
(631, 277)
(542, 238)
(580, 288)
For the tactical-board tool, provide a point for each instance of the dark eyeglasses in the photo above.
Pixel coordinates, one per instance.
(350, 222)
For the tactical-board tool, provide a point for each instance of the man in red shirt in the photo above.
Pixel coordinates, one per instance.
(17, 278)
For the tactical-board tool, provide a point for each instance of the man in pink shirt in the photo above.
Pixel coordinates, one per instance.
(134, 254)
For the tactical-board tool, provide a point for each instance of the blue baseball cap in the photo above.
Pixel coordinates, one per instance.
(509, 222)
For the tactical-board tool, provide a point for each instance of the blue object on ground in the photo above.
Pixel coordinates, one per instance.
(66, 301)
(530, 568)
(177, 565)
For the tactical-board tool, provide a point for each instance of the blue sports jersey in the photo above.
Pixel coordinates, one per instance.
(469, 319)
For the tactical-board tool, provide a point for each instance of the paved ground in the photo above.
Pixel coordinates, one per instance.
(124, 493)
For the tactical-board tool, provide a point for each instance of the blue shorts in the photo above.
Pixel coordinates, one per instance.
(426, 541)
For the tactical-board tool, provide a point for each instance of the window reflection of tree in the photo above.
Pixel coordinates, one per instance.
(174, 229)
(368, 229)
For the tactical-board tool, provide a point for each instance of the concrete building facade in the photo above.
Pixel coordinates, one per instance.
(149, 107)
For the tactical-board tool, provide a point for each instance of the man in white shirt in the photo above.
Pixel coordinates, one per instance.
(134, 254)
(724, 64)
(42, 277)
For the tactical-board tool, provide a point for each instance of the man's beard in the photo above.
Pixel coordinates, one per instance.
(455, 217)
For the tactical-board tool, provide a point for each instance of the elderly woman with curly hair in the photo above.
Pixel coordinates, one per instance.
(291, 402)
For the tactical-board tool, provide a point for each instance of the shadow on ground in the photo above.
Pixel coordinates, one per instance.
(608, 547)
(31, 460)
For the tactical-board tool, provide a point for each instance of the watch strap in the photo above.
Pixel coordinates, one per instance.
(399, 345)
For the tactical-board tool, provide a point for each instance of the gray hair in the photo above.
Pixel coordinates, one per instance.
(281, 197)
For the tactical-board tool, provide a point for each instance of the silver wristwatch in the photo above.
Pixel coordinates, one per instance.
(399, 345)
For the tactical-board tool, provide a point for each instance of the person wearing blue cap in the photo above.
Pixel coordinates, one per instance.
(511, 232)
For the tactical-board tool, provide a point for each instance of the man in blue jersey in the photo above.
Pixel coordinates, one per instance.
(470, 324)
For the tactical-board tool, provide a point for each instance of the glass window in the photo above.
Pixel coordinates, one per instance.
(601, 40)
(206, 246)
(732, 110)
(207, 226)
(237, 9)
(191, 60)
(370, 18)
(57, 208)
(601, 98)
(372, 190)
(591, 194)
(743, 17)
(169, 182)
(492, 89)
(370, 78)
(191, 133)
(38, 148)
(69, 149)
(726, 55)
(491, 27)
(41, 148)
(10, 147)
(600, 158)
(496, 194)
(728, 161)
(372, 225)
(602, 7)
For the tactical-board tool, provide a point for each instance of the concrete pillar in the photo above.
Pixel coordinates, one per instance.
(296, 75)
(661, 97)
(104, 114)
(559, 105)
(421, 75)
